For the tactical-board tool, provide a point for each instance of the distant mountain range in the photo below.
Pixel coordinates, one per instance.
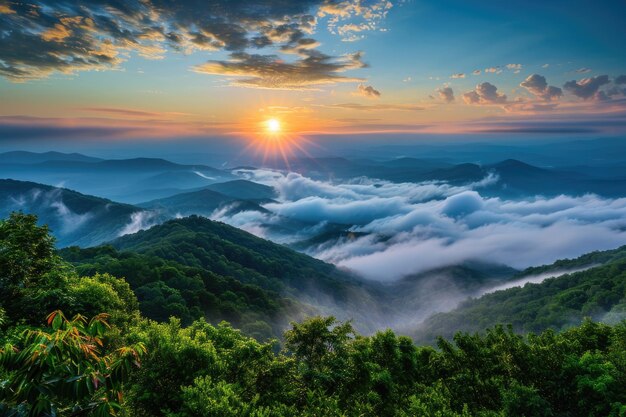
(23, 157)
(74, 218)
(140, 180)
(85, 220)
(515, 178)
(126, 180)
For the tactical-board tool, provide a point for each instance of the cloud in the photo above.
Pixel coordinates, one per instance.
(121, 112)
(539, 87)
(139, 220)
(493, 70)
(587, 87)
(621, 79)
(446, 94)
(516, 68)
(349, 19)
(375, 107)
(269, 71)
(459, 75)
(583, 70)
(485, 93)
(43, 37)
(400, 229)
(476, 72)
(367, 91)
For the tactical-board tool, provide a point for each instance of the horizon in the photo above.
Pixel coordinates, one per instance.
(319, 69)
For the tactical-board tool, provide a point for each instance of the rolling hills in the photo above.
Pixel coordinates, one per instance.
(194, 267)
(75, 218)
(598, 292)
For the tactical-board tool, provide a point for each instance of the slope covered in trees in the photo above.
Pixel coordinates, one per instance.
(166, 288)
(87, 362)
(199, 242)
(195, 267)
(555, 303)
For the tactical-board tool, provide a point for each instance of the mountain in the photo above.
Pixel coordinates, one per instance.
(517, 178)
(244, 190)
(75, 218)
(230, 252)
(595, 287)
(24, 157)
(200, 242)
(203, 202)
(126, 180)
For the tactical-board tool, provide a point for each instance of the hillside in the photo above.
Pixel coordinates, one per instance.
(323, 368)
(204, 264)
(243, 190)
(199, 242)
(167, 288)
(203, 202)
(556, 303)
(75, 218)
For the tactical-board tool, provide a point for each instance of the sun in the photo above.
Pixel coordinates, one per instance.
(273, 125)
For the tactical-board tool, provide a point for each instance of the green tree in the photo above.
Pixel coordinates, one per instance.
(26, 255)
(67, 369)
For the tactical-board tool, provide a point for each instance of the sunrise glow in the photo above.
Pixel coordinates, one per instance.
(273, 125)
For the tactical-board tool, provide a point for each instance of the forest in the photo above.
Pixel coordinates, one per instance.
(76, 343)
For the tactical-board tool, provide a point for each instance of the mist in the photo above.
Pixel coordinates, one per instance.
(396, 230)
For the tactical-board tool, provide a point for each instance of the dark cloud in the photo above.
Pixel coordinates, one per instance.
(539, 87)
(446, 94)
(376, 107)
(485, 93)
(587, 87)
(66, 36)
(367, 91)
(621, 79)
(12, 133)
(122, 112)
(269, 71)
(542, 130)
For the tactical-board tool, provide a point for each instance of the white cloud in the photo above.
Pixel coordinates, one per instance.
(407, 228)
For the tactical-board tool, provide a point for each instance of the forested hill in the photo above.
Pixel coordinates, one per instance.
(75, 345)
(194, 267)
(223, 249)
(556, 303)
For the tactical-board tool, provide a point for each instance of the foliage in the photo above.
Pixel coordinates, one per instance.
(166, 288)
(66, 369)
(79, 367)
(230, 252)
(327, 369)
(557, 303)
(35, 280)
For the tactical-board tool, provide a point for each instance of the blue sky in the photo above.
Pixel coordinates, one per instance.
(215, 68)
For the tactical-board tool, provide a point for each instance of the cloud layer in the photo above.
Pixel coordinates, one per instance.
(42, 37)
(399, 229)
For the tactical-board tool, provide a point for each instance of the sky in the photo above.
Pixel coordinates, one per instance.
(155, 70)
